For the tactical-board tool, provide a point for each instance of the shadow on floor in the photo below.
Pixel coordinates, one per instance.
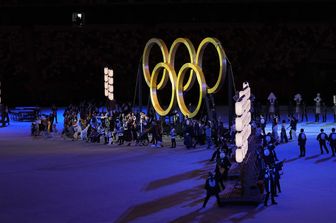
(323, 160)
(292, 160)
(175, 179)
(204, 161)
(216, 214)
(312, 157)
(162, 203)
(229, 213)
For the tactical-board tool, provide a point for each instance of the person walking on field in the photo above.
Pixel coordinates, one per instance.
(332, 141)
(212, 189)
(208, 136)
(302, 139)
(172, 137)
(322, 138)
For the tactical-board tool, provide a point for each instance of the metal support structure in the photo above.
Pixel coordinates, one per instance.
(207, 104)
(231, 88)
(140, 86)
(210, 101)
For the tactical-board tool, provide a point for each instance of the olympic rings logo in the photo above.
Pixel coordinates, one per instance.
(169, 73)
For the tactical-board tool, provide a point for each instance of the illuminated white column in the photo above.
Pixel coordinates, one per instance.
(242, 122)
(110, 85)
(106, 81)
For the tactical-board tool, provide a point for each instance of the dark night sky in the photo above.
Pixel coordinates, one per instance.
(287, 47)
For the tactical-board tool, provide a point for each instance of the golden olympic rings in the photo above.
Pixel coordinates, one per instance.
(154, 87)
(195, 66)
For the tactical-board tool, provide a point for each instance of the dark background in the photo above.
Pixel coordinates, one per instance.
(280, 46)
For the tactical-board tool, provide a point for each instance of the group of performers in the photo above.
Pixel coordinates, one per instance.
(300, 111)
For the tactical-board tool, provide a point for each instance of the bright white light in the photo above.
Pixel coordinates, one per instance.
(246, 91)
(110, 81)
(106, 70)
(110, 73)
(106, 85)
(242, 122)
(242, 106)
(111, 96)
(79, 15)
(239, 155)
(110, 88)
(242, 137)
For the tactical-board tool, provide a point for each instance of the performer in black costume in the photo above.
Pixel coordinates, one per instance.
(267, 139)
(263, 124)
(215, 154)
(212, 189)
(269, 155)
(293, 125)
(322, 138)
(283, 133)
(222, 169)
(277, 169)
(302, 139)
(222, 147)
(332, 141)
(304, 113)
(269, 182)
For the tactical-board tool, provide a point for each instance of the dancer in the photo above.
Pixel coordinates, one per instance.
(332, 141)
(271, 111)
(172, 137)
(304, 113)
(322, 138)
(293, 126)
(269, 182)
(212, 189)
(283, 134)
(302, 139)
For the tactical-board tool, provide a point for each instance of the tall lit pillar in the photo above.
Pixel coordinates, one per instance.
(243, 119)
(110, 85)
(106, 71)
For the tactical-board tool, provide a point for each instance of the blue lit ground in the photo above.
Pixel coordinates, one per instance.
(55, 180)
